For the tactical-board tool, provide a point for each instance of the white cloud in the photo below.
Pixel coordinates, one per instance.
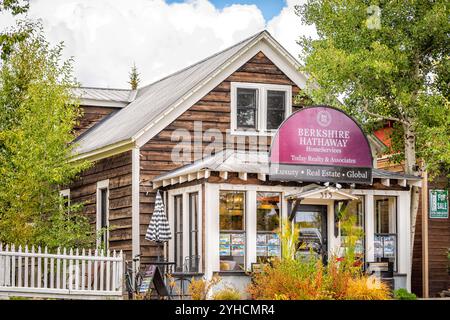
(106, 36)
(287, 28)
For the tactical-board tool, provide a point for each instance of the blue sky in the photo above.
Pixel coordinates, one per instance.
(269, 8)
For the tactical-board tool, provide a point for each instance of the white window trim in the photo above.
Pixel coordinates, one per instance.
(104, 184)
(170, 213)
(65, 193)
(261, 110)
(250, 218)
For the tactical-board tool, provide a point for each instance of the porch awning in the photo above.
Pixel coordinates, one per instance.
(224, 162)
(253, 162)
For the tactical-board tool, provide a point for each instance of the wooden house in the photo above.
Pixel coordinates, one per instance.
(201, 136)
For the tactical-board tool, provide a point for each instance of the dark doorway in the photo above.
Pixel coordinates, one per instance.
(313, 237)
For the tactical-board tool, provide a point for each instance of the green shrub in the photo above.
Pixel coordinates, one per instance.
(403, 294)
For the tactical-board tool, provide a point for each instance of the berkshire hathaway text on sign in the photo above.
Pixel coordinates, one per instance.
(321, 144)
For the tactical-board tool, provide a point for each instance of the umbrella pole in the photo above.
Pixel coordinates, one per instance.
(164, 251)
(159, 256)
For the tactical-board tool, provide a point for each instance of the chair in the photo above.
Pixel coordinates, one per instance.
(189, 270)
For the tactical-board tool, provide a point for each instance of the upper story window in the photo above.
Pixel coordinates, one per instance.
(259, 108)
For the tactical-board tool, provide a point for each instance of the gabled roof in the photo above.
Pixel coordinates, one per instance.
(159, 99)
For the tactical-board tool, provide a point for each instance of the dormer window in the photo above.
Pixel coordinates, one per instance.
(259, 108)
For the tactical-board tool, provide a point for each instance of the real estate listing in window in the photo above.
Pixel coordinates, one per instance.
(232, 242)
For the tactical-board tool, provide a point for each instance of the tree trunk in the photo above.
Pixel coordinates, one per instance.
(411, 168)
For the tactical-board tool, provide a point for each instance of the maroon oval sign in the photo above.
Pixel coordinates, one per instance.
(321, 144)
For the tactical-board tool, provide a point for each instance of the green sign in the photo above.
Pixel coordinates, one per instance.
(438, 204)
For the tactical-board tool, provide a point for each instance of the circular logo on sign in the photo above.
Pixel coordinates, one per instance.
(324, 118)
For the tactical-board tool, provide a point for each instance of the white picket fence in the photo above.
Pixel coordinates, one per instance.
(66, 274)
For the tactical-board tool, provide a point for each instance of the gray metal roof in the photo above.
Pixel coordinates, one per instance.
(384, 174)
(251, 162)
(152, 100)
(104, 94)
(226, 160)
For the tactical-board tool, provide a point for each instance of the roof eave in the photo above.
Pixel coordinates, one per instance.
(103, 103)
(104, 152)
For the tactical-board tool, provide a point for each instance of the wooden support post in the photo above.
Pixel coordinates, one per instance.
(425, 271)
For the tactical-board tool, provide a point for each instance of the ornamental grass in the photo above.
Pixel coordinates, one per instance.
(307, 278)
(227, 293)
(294, 279)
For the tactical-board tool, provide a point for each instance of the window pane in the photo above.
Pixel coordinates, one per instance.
(385, 238)
(385, 215)
(232, 231)
(268, 208)
(246, 108)
(66, 203)
(178, 230)
(355, 211)
(193, 230)
(276, 108)
(232, 210)
(268, 211)
(104, 215)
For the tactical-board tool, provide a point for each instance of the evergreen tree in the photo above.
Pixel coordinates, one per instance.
(134, 77)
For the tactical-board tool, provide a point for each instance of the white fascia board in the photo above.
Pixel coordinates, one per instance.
(292, 60)
(135, 202)
(104, 152)
(263, 44)
(102, 103)
(285, 63)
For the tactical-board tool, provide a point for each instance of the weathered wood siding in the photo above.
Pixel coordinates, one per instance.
(438, 242)
(91, 116)
(118, 170)
(438, 246)
(214, 112)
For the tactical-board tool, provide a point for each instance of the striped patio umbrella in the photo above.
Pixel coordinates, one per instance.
(158, 230)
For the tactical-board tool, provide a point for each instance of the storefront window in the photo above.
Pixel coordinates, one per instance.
(385, 238)
(232, 231)
(354, 211)
(268, 208)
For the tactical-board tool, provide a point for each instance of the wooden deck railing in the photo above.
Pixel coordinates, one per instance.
(63, 274)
